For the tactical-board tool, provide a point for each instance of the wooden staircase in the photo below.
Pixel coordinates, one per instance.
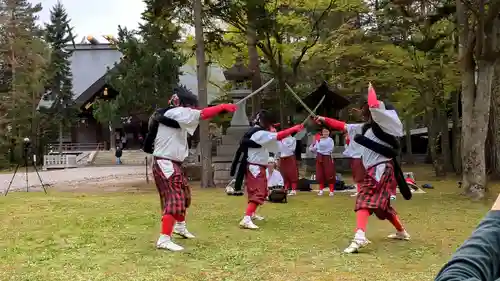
(129, 157)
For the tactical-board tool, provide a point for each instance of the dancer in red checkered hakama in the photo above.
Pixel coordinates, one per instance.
(325, 166)
(264, 140)
(379, 179)
(170, 148)
(375, 199)
(174, 191)
(288, 163)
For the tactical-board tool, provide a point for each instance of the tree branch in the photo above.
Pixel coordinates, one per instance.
(315, 40)
(470, 7)
(493, 13)
(480, 31)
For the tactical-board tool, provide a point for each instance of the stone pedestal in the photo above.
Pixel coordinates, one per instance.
(230, 141)
(238, 74)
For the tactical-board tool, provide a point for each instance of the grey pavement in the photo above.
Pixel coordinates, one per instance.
(71, 176)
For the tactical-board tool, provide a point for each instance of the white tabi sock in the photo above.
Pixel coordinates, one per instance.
(360, 235)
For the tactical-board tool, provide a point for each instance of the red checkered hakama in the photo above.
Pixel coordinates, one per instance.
(375, 196)
(325, 169)
(256, 186)
(289, 170)
(175, 194)
(358, 170)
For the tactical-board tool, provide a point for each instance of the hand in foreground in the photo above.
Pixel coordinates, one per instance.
(319, 119)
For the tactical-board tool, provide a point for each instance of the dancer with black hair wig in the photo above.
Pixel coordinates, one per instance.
(380, 147)
(252, 156)
(167, 140)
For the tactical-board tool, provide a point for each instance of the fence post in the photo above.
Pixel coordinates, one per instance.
(147, 176)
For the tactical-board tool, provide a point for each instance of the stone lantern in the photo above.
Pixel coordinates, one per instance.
(239, 75)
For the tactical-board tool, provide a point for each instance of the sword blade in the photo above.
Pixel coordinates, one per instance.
(255, 92)
(300, 135)
(300, 101)
(314, 110)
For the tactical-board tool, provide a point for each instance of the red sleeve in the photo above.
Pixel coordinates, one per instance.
(335, 124)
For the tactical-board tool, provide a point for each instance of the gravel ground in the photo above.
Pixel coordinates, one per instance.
(111, 177)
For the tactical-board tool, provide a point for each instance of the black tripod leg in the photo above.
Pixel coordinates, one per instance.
(11, 180)
(40, 178)
(27, 184)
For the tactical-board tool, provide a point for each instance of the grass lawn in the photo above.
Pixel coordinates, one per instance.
(111, 236)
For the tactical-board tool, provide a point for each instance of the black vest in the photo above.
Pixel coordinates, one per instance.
(241, 157)
(154, 122)
(391, 151)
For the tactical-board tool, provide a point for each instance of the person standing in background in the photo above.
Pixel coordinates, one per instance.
(288, 163)
(118, 155)
(325, 167)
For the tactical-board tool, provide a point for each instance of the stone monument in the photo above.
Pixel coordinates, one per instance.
(238, 75)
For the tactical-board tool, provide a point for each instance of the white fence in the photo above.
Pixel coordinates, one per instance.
(59, 161)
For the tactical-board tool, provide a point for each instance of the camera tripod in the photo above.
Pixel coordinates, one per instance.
(26, 174)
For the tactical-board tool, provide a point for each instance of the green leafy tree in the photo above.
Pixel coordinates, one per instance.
(286, 34)
(149, 69)
(59, 77)
(23, 57)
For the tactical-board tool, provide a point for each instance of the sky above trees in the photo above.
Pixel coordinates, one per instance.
(96, 17)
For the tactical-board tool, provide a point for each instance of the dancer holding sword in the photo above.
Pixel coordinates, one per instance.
(378, 139)
(288, 162)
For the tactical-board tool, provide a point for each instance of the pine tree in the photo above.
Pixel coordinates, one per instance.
(23, 55)
(59, 81)
(150, 68)
(161, 36)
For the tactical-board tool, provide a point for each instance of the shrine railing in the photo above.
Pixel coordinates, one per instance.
(59, 162)
(53, 148)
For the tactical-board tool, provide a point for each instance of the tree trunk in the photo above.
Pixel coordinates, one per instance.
(456, 137)
(112, 139)
(475, 117)
(281, 89)
(254, 63)
(494, 126)
(445, 140)
(409, 153)
(477, 57)
(433, 134)
(201, 70)
(61, 133)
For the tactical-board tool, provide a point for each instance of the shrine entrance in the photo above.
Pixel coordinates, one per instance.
(131, 133)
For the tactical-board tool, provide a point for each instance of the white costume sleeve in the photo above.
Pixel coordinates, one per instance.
(388, 120)
(187, 118)
(265, 138)
(353, 130)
